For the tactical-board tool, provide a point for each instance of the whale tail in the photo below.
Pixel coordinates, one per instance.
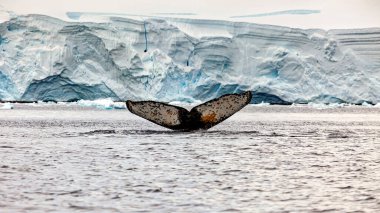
(203, 116)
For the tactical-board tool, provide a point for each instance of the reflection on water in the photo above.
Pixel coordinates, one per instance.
(269, 159)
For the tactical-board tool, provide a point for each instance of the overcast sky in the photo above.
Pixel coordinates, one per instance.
(324, 14)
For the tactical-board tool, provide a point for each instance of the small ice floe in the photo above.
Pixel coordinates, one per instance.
(317, 105)
(33, 104)
(46, 103)
(366, 104)
(262, 104)
(327, 106)
(377, 105)
(106, 103)
(7, 106)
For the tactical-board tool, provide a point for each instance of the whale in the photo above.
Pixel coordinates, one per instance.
(200, 117)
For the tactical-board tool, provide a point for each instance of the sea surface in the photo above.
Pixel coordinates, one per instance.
(59, 158)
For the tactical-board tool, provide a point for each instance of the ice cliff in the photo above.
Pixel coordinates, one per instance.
(43, 58)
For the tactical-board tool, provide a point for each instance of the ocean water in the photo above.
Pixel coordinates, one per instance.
(58, 158)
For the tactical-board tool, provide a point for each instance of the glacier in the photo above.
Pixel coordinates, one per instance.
(185, 60)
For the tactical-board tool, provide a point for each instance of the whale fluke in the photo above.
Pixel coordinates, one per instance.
(159, 113)
(203, 116)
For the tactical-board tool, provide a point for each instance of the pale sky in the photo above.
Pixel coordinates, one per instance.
(325, 14)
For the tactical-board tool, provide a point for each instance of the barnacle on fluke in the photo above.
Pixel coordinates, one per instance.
(203, 116)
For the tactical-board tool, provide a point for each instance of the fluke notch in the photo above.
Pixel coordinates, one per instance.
(203, 116)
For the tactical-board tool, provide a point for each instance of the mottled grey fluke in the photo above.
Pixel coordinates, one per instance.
(203, 116)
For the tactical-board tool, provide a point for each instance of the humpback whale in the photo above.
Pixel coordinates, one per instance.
(201, 117)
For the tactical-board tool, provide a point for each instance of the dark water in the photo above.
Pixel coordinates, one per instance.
(263, 159)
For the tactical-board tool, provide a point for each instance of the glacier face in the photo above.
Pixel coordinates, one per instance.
(43, 58)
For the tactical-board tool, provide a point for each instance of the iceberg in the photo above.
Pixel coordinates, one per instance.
(185, 60)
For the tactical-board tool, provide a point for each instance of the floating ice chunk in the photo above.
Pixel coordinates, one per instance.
(262, 104)
(317, 105)
(43, 103)
(32, 104)
(338, 105)
(327, 106)
(7, 106)
(106, 103)
(46, 102)
(366, 104)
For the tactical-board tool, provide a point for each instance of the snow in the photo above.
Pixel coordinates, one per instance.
(187, 61)
(277, 13)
